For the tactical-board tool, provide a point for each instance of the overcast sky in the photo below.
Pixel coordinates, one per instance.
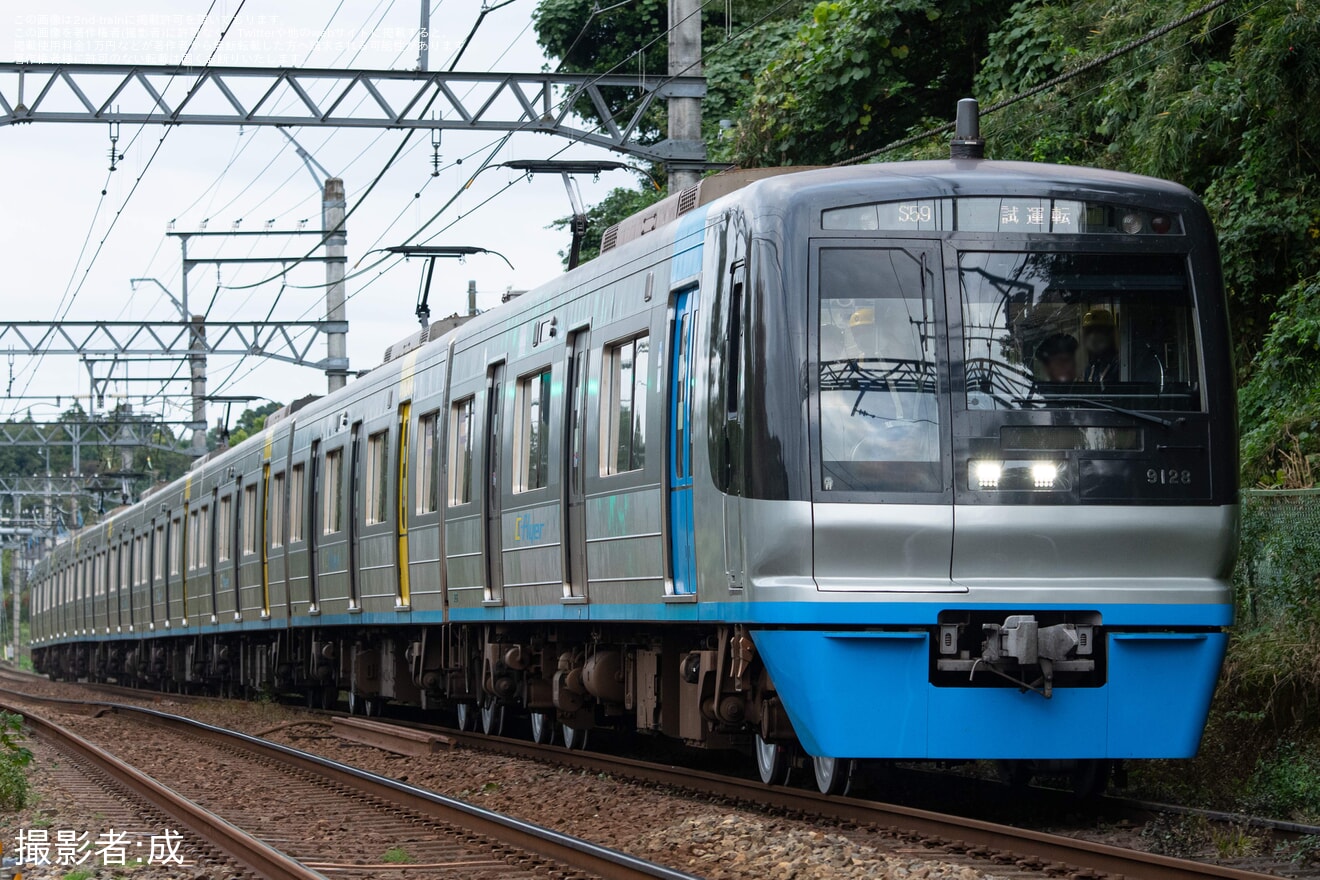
(54, 218)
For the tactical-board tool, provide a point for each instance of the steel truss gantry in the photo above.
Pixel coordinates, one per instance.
(132, 431)
(549, 103)
(275, 340)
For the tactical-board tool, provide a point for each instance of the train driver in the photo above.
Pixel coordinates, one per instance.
(1100, 337)
(1058, 358)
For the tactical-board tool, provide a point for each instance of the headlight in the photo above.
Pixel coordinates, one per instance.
(1004, 476)
(1132, 223)
(1043, 474)
(987, 473)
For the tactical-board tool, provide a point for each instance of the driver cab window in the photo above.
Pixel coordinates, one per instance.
(878, 382)
(1065, 330)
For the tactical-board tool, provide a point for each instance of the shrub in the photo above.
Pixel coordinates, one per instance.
(14, 761)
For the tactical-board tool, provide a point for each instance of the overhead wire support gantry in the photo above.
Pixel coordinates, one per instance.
(275, 340)
(538, 102)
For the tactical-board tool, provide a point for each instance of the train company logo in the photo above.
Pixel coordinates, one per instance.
(526, 530)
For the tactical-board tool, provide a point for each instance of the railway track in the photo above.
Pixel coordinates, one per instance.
(992, 841)
(986, 841)
(240, 847)
(349, 810)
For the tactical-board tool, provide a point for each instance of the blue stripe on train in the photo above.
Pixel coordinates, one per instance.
(801, 614)
(688, 239)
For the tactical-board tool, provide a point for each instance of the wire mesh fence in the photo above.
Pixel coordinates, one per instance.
(1278, 569)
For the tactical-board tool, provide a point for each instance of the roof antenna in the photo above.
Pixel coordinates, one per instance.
(967, 141)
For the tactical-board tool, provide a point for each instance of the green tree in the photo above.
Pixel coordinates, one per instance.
(591, 37)
(860, 73)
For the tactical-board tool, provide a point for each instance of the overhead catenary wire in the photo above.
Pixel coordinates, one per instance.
(72, 298)
(573, 141)
(396, 260)
(523, 127)
(290, 177)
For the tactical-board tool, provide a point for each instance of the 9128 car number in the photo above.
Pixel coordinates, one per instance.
(1168, 477)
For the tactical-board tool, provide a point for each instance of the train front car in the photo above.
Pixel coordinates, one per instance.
(999, 399)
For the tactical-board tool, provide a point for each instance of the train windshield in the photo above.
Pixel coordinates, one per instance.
(879, 405)
(1069, 330)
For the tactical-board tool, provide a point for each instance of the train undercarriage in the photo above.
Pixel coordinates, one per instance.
(564, 677)
(703, 686)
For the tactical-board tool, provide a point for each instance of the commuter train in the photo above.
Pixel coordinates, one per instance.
(927, 460)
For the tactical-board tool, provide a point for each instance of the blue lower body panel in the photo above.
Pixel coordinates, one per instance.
(868, 695)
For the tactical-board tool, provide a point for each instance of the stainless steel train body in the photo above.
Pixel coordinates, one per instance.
(926, 460)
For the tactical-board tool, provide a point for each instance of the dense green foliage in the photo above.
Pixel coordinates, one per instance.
(14, 760)
(739, 39)
(860, 73)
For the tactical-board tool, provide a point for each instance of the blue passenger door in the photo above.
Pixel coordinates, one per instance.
(681, 528)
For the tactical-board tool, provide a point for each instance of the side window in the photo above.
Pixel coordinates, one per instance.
(192, 540)
(460, 453)
(623, 425)
(202, 539)
(223, 527)
(249, 532)
(158, 562)
(428, 463)
(533, 439)
(176, 545)
(297, 479)
(276, 501)
(333, 492)
(377, 463)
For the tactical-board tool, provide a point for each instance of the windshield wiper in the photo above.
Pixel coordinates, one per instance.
(1121, 410)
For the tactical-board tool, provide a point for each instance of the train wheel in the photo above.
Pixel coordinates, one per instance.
(467, 716)
(833, 775)
(1090, 778)
(773, 762)
(543, 728)
(492, 718)
(575, 738)
(1016, 774)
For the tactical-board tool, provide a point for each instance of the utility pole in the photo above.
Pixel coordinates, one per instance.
(684, 60)
(332, 224)
(424, 38)
(196, 357)
(197, 367)
(16, 597)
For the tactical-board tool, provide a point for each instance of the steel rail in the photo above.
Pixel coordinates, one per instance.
(245, 849)
(566, 849)
(988, 838)
(957, 832)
